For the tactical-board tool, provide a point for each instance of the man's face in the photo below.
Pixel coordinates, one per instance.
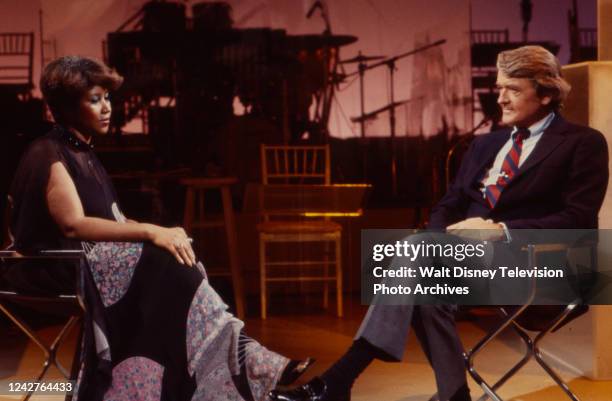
(519, 101)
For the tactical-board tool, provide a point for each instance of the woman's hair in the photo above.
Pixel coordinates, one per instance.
(539, 65)
(66, 79)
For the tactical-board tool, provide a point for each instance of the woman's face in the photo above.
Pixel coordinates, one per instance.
(94, 111)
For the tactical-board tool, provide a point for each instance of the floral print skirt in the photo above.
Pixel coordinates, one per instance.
(157, 330)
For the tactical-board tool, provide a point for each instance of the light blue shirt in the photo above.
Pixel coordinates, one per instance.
(536, 130)
(535, 134)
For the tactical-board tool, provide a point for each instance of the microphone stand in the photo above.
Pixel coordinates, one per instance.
(390, 64)
(328, 90)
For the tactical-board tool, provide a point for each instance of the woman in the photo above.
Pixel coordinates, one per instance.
(157, 330)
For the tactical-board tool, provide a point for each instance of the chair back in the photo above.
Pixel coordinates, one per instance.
(295, 164)
(453, 159)
(538, 317)
(16, 58)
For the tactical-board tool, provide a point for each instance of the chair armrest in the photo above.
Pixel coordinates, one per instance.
(542, 248)
(46, 254)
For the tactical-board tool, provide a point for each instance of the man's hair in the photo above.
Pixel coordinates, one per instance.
(539, 65)
(66, 79)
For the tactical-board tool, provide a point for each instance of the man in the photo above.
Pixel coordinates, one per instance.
(540, 172)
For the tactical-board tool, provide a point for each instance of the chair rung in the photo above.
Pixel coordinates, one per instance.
(302, 263)
(300, 278)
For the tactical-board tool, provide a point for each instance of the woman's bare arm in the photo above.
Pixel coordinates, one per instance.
(67, 211)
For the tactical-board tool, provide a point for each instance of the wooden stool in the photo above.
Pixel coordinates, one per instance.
(195, 191)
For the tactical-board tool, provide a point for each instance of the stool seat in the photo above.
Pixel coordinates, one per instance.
(295, 227)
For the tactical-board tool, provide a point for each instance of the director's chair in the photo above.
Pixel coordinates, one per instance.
(541, 320)
(70, 305)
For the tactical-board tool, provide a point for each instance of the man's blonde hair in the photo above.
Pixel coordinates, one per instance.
(539, 65)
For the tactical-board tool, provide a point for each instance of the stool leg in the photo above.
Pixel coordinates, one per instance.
(262, 276)
(326, 274)
(232, 247)
(339, 276)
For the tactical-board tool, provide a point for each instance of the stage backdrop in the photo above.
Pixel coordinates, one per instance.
(430, 82)
(435, 84)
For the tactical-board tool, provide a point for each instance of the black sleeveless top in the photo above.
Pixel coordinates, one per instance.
(31, 225)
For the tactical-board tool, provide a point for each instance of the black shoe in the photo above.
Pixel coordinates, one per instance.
(294, 370)
(314, 390)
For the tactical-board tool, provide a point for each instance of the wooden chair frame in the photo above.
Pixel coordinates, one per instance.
(15, 46)
(298, 165)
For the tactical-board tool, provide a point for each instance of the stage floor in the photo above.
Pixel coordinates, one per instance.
(321, 335)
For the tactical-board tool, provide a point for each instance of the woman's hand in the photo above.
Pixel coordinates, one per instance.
(175, 241)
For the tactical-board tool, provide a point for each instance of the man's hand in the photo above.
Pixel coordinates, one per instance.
(477, 228)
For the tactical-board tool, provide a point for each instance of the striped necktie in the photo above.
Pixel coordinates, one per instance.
(509, 167)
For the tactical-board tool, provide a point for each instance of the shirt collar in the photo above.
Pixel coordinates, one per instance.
(538, 127)
(72, 139)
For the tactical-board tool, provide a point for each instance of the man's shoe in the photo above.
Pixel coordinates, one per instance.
(314, 390)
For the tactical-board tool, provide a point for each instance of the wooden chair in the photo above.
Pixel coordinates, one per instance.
(16, 62)
(301, 165)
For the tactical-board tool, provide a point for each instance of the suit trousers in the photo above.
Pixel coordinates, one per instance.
(387, 326)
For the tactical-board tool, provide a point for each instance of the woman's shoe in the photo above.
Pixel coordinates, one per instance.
(294, 370)
(314, 390)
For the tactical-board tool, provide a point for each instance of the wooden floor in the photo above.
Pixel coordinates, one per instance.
(319, 334)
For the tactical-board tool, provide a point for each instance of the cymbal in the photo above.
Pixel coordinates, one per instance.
(314, 41)
(361, 59)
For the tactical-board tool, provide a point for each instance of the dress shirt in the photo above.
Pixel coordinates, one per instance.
(535, 133)
(536, 130)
